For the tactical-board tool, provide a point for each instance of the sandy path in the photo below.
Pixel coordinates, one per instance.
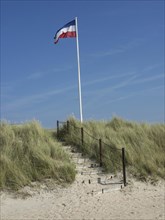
(86, 198)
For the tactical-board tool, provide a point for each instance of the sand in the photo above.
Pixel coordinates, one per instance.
(86, 198)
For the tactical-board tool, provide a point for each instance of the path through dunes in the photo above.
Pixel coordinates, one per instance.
(86, 198)
(91, 175)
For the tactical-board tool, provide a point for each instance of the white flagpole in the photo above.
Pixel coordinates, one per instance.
(79, 79)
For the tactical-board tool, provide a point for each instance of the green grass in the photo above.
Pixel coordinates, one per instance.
(144, 144)
(29, 153)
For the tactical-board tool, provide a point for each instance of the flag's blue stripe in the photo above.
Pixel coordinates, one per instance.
(71, 23)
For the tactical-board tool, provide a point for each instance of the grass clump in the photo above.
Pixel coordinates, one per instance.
(144, 145)
(29, 153)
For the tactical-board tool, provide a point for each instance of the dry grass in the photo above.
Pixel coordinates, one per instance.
(144, 144)
(29, 153)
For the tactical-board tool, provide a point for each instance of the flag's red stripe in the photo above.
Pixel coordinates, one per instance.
(67, 34)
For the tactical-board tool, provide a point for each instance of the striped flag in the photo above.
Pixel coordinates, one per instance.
(68, 30)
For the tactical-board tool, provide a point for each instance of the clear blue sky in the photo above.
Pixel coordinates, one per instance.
(121, 54)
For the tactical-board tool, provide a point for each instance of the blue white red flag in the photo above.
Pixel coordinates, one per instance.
(68, 30)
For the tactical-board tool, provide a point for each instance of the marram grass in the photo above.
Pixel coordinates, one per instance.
(144, 145)
(29, 153)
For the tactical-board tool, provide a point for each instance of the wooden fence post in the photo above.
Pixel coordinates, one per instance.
(68, 127)
(82, 136)
(124, 170)
(57, 129)
(100, 152)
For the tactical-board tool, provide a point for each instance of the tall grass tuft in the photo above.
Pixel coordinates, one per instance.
(29, 153)
(144, 144)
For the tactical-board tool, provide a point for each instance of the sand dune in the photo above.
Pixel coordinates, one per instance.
(86, 198)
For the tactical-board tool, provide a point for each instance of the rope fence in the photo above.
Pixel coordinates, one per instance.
(101, 150)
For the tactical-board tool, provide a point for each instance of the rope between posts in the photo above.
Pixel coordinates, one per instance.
(75, 126)
(62, 122)
(111, 146)
(97, 139)
(105, 156)
(91, 135)
(81, 139)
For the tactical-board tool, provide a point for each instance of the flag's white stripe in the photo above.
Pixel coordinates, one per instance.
(65, 30)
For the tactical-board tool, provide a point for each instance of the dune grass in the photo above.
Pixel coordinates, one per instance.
(144, 145)
(29, 153)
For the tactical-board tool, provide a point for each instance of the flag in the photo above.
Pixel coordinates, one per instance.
(68, 30)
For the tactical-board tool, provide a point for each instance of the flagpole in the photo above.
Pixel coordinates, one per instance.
(79, 79)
